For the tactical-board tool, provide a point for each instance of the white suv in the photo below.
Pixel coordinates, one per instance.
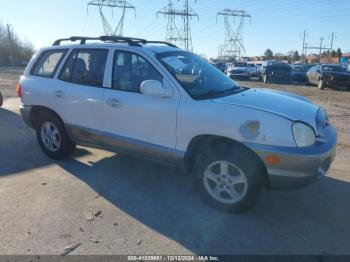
(157, 101)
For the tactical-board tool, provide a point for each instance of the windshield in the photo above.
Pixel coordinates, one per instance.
(200, 79)
(240, 64)
(333, 68)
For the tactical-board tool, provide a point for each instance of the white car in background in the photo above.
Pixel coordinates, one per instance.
(238, 70)
(160, 102)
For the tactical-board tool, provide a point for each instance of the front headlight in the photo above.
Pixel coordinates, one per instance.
(303, 134)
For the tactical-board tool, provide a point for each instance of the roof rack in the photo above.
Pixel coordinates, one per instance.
(115, 39)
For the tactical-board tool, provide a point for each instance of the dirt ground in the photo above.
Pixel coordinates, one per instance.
(116, 204)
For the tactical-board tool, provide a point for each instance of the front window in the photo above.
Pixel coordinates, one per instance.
(240, 64)
(200, 79)
(330, 68)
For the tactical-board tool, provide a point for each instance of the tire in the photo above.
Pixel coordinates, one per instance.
(320, 84)
(242, 179)
(307, 82)
(53, 137)
(1, 99)
(265, 80)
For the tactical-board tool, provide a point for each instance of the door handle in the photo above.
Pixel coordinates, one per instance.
(113, 102)
(59, 93)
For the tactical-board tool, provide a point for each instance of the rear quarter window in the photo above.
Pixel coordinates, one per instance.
(48, 62)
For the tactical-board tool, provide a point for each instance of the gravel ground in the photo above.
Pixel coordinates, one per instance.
(116, 204)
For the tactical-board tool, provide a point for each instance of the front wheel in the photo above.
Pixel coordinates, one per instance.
(53, 137)
(229, 180)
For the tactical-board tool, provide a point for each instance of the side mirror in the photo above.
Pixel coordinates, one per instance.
(154, 88)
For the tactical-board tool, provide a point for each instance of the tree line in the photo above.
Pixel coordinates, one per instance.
(293, 56)
(13, 52)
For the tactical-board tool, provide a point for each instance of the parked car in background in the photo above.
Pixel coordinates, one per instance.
(1, 99)
(328, 75)
(275, 72)
(252, 69)
(298, 72)
(221, 66)
(238, 70)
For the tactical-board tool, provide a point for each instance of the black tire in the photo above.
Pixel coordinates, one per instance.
(1, 99)
(321, 84)
(65, 148)
(244, 160)
(307, 82)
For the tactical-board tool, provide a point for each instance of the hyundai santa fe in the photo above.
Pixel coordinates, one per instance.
(152, 99)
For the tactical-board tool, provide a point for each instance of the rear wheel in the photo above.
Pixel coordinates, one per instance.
(228, 180)
(53, 137)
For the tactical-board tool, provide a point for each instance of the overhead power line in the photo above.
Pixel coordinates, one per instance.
(112, 4)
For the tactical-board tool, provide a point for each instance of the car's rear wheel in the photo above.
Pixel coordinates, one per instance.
(53, 137)
(228, 180)
(320, 84)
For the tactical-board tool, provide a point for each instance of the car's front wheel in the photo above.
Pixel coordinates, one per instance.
(53, 137)
(230, 180)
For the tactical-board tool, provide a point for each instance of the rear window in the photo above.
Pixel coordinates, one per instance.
(48, 62)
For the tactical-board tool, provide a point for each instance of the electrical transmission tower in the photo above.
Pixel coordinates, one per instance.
(233, 47)
(173, 34)
(182, 36)
(112, 4)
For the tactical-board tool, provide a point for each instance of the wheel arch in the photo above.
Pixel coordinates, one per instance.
(202, 142)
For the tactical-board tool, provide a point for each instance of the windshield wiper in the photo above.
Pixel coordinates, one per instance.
(212, 93)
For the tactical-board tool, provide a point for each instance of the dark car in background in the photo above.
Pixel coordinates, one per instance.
(221, 66)
(298, 72)
(275, 72)
(328, 75)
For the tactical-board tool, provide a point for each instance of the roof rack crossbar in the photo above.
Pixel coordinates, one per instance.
(115, 39)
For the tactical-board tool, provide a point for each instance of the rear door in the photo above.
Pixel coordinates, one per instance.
(78, 91)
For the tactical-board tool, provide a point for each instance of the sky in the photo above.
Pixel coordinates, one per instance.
(275, 24)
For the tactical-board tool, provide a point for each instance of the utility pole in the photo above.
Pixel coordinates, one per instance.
(303, 49)
(319, 54)
(332, 40)
(173, 35)
(112, 4)
(10, 43)
(233, 47)
(320, 48)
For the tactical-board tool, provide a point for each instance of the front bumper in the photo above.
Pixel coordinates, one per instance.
(298, 167)
(238, 75)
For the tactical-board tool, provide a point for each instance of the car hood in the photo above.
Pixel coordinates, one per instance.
(284, 104)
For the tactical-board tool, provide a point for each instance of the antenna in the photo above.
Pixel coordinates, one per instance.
(112, 4)
(233, 46)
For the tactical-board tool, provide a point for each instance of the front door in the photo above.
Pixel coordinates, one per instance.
(133, 121)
